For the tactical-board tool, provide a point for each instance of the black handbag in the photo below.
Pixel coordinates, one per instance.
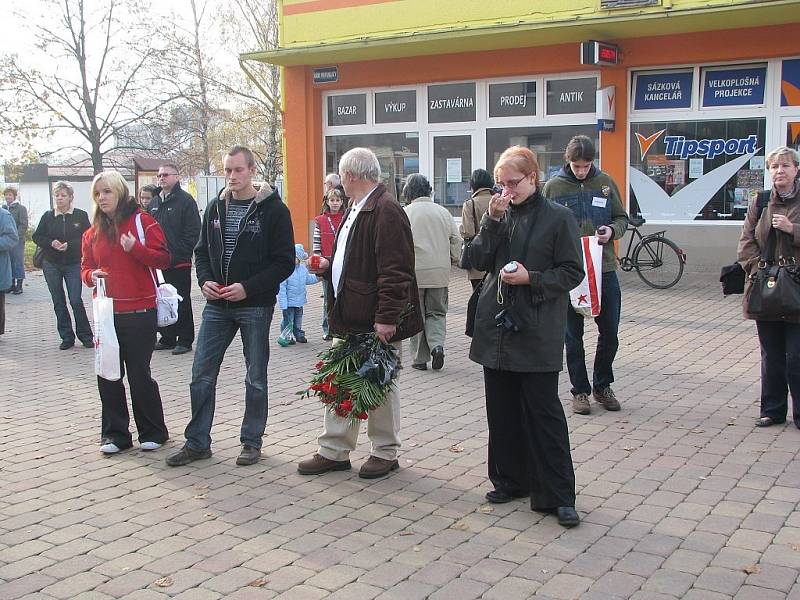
(472, 307)
(38, 257)
(732, 279)
(464, 261)
(732, 276)
(775, 292)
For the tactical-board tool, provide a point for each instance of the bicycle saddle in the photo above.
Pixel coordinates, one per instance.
(636, 221)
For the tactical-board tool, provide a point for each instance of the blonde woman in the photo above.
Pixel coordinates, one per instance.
(112, 250)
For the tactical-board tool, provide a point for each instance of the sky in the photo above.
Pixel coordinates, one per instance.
(20, 13)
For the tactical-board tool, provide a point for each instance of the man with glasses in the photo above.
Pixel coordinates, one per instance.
(177, 213)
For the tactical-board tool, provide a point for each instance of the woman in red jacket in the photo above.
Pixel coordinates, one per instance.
(325, 227)
(112, 250)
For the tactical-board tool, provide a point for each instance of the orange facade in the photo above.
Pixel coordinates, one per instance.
(304, 106)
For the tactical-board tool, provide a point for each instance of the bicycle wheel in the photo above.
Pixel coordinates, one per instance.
(658, 262)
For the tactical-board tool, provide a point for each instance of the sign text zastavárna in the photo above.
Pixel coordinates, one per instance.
(677, 145)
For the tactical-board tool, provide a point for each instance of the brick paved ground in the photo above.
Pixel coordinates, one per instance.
(680, 495)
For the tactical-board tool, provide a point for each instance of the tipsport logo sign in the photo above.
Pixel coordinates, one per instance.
(679, 146)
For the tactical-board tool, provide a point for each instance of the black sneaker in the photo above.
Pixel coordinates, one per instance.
(248, 456)
(162, 345)
(87, 343)
(437, 356)
(179, 349)
(187, 455)
(66, 344)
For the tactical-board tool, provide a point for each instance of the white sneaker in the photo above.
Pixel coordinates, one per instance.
(149, 446)
(109, 448)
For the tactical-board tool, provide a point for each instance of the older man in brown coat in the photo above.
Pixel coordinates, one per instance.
(371, 277)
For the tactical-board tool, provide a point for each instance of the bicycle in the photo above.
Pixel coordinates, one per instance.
(658, 260)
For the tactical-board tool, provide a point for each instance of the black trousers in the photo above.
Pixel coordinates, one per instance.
(136, 333)
(182, 332)
(528, 438)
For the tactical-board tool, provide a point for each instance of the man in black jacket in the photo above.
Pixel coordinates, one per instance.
(176, 212)
(246, 249)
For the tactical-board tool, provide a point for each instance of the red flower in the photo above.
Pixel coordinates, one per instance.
(319, 365)
(362, 416)
(347, 405)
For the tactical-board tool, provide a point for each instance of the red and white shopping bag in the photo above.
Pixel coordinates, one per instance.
(585, 298)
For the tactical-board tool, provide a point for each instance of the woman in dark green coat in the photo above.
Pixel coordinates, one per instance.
(529, 247)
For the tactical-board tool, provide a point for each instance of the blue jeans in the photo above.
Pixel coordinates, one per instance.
(780, 369)
(294, 315)
(607, 340)
(57, 276)
(18, 259)
(217, 331)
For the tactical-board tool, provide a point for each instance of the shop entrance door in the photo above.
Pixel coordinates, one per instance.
(452, 167)
(790, 132)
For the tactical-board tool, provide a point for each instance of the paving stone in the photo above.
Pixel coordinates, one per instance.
(566, 586)
(512, 588)
(617, 583)
(668, 581)
(718, 579)
(11, 590)
(688, 561)
(460, 589)
(71, 586)
(334, 577)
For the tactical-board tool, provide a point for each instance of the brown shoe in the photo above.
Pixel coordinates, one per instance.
(580, 404)
(317, 465)
(607, 398)
(377, 467)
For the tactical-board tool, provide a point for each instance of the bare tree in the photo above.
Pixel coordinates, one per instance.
(253, 25)
(97, 81)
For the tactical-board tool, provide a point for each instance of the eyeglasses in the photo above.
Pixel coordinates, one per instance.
(510, 185)
(160, 175)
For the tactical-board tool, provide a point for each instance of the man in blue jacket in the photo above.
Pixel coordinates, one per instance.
(246, 249)
(176, 212)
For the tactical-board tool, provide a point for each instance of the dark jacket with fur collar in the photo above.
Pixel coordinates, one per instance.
(264, 252)
(377, 281)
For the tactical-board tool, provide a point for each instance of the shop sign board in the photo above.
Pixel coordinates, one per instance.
(326, 75)
(396, 106)
(451, 103)
(516, 99)
(734, 87)
(657, 91)
(606, 108)
(790, 82)
(347, 109)
(571, 96)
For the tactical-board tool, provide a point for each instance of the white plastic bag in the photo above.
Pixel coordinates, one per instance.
(585, 298)
(106, 346)
(167, 297)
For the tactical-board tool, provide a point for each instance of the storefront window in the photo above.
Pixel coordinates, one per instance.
(398, 154)
(548, 143)
(696, 170)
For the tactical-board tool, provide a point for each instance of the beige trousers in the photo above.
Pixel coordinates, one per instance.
(340, 436)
